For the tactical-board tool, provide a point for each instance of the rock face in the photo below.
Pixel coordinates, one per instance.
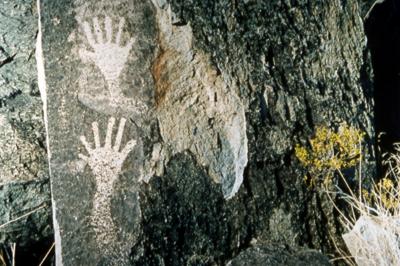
(143, 75)
(24, 185)
(278, 256)
(22, 156)
(374, 241)
(172, 124)
(211, 123)
(98, 97)
(293, 66)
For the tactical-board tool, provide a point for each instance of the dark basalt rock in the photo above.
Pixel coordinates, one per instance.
(297, 65)
(278, 256)
(294, 65)
(186, 220)
(24, 183)
(32, 234)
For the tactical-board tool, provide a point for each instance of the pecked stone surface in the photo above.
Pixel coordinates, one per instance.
(98, 95)
(276, 68)
(24, 184)
(126, 63)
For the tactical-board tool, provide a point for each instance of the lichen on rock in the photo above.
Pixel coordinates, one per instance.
(197, 109)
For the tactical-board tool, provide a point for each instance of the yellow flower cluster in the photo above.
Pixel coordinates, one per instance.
(330, 151)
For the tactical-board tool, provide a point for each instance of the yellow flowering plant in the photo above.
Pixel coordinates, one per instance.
(372, 219)
(329, 151)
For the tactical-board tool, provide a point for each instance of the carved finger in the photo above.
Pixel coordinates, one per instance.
(128, 148)
(86, 56)
(97, 30)
(86, 144)
(89, 35)
(120, 27)
(118, 139)
(110, 127)
(96, 135)
(108, 25)
(83, 158)
(129, 44)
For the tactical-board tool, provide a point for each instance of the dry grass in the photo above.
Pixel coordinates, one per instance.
(12, 260)
(373, 217)
(2, 260)
(47, 254)
(373, 223)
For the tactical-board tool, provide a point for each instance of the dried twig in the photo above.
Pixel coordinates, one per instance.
(22, 216)
(47, 254)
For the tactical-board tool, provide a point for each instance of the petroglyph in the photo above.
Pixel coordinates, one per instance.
(106, 49)
(110, 54)
(110, 57)
(106, 163)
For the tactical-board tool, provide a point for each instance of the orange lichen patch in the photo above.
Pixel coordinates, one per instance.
(160, 75)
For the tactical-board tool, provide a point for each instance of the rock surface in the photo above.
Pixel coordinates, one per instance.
(24, 185)
(22, 156)
(211, 123)
(33, 233)
(295, 66)
(213, 92)
(374, 241)
(278, 256)
(98, 95)
(142, 74)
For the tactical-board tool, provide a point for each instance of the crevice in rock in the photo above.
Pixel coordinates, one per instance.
(382, 27)
(7, 60)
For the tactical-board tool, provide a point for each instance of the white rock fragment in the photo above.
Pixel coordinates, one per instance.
(374, 241)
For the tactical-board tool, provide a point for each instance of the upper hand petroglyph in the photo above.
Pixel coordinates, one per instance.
(108, 53)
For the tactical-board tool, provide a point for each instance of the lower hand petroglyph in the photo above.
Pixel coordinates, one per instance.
(106, 161)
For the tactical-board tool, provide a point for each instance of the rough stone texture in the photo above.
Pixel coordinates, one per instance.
(87, 81)
(22, 156)
(186, 220)
(287, 66)
(33, 234)
(274, 255)
(97, 76)
(374, 241)
(24, 182)
(211, 121)
(297, 65)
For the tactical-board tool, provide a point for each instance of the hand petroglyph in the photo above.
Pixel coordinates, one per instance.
(106, 164)
(106, 161)
(110, 57)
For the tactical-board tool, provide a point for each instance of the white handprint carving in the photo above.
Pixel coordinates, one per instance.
(107, 161)
(106, 164)
(110, 54)
(110, 57)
